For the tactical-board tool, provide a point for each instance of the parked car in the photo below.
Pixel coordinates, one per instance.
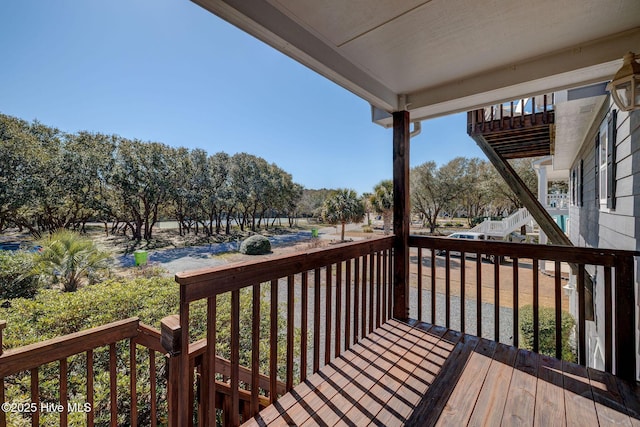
(469, 235)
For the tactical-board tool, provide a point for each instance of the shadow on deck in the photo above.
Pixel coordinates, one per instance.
(417, 374)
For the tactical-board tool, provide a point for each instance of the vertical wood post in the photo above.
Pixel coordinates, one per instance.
(401, 219)
(625, 338)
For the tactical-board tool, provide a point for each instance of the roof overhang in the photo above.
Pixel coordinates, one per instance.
(436, 57)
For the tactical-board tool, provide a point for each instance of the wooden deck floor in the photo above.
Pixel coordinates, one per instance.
(425, 375)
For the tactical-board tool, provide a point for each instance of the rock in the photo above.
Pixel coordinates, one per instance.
(255, 245)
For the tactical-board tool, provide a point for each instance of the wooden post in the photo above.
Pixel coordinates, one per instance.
(171, 336)
(625, 338)
(401, 219)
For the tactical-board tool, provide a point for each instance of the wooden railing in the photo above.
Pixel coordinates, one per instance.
(89, 349)
(512, 115)
(334, 297)
(437, 270)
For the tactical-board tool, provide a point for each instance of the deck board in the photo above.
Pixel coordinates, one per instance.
(422, 375)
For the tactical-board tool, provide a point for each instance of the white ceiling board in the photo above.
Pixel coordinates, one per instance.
(443, 55)
(447, 40)
(340, 21)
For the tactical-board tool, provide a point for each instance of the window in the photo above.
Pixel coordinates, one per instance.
(602, 163)
(606, 162)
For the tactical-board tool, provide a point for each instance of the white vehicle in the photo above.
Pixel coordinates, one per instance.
(470, 235)
(463, 235)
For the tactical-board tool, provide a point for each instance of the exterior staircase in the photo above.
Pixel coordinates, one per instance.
(500, 229)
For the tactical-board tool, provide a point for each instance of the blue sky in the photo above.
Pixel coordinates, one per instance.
(171, 72)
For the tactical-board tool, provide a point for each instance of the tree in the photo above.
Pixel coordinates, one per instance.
(142, 177)
(342, 207)
(70, 259)
(435, 189)
(476, 193)
(382, 202)
(503, 200)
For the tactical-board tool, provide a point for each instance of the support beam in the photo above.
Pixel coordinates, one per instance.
(401, 214)
(537, 211)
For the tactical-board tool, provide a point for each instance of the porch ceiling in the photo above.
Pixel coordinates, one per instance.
(435, 57)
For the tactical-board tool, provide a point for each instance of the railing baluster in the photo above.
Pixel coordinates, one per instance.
(378, 287)
(420, 284)
(496, 295)
(478, 294)
(90, 402)
(338, 336)
(316, 320)
(582, 353)
(235, 357)
(516, 302)
(255, 348)
(290, 330)
(447, 288)
(533, 110)
(371, 291)
(328, 303)
(558, 308)
(273, 343)
(511, 116)
(113, 387)
(35, 397)
(347, 305)
(536, 305)
(433, 286)
(209, 383)
(356, 296)
(385, 286)
(64, 402)
(608, 322)
(463, 281)
(364, 297)
(390, 284)
(304, 318)
(152, 385)
(132, 382)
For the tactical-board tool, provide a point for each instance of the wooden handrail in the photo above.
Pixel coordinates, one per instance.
(37, 354)
(569, 254)
(31, 358)
(200, 284)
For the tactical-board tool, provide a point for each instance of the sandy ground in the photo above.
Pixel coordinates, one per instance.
(546, 282)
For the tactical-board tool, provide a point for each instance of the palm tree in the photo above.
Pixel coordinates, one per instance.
(382, 202)
(342, 207)
(69, 258)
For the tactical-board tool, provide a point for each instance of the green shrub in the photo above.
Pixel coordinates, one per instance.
(367, 229)
(547, 331)
(16, 278)
(70, 259)
(255, 245)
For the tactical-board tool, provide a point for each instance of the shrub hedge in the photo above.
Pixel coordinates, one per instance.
(547, 331)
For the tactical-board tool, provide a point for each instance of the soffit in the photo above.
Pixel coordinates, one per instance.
(573, 122)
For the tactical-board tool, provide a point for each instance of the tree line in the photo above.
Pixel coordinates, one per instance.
(50, 179)
(467, 187)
